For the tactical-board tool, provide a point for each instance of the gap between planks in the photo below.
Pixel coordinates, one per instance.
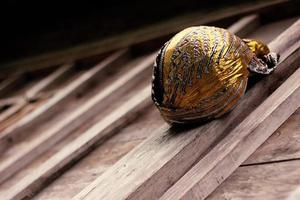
(155, 165)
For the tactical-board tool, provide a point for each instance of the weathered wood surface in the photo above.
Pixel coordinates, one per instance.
(283, 145)
(142, 35)
(167, 150)
(273, 181)
(104, 156)
(224, 158)
(17, 130)
(71, 122)
(80, 145)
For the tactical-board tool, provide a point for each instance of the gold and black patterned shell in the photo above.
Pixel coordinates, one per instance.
(200, 74)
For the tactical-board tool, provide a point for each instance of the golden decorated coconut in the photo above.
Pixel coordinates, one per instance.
(202, 73)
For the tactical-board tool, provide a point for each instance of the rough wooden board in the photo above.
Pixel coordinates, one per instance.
(110, 106)
(283, 145)
(273, 181)
(16, 131)
(141, 35)
(71, 122)
(178, 152)
(78, 177)
(102, 157)
(72, 151)
(230, 152)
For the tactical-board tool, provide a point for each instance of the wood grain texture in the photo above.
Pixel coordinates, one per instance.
(282, 145)
(224, 158)
(17, 130)
(273, 181)
(71, 122)
(80, 145)
(144, 34)
(104, 156)
(166, 156)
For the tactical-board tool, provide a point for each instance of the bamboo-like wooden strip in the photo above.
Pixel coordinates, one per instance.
(142, 35)
(63, 128)
(154, 166)
(206, 175)
(101, 130)
(18, 129)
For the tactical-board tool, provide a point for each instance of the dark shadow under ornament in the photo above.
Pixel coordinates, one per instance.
(202, 73)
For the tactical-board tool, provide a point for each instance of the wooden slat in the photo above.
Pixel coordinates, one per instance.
(71, 122)
(154, 166)
(34, 91)
(101, 130)
(273, 181)
(245, 26)
(217, 165)
(141, 35)
(12, 110)
(283, 145)
(7, 85)
(18, 129)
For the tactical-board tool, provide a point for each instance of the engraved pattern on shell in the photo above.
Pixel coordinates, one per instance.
(202, 74)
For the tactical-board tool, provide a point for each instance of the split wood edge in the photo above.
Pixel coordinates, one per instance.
(165, 158)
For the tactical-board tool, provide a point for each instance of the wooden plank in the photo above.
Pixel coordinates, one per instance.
(32, 93)
(224, 158)
(17, 130)
(7, 85)
(273, 181)
(245, 26)
(144, 34)
(92, 165)
(69, 124)
(154, 166)
(284, 144)
(100, 131)
(12, 110)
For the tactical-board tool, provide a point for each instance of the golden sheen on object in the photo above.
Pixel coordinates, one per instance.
(202, 73)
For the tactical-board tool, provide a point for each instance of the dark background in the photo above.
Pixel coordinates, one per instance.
(30, 27)
(34, 27)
